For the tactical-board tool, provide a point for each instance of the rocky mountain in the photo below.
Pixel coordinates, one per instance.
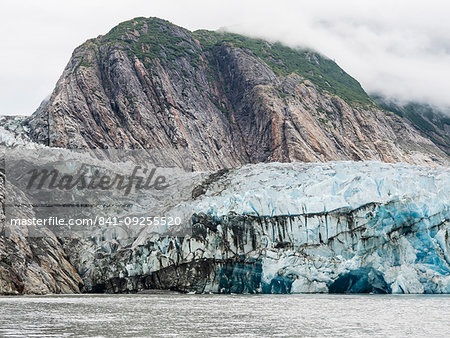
(223, 98)
(212, 101)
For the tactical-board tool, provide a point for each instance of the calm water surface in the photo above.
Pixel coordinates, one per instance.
(176, 315)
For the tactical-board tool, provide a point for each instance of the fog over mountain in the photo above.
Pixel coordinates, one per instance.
(400, 50)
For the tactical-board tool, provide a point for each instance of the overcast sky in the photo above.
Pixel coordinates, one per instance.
(398, 48)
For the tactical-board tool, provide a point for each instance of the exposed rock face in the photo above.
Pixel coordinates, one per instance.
(225, 99)
(32, 265)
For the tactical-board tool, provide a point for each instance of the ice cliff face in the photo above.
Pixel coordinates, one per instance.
(280, 228)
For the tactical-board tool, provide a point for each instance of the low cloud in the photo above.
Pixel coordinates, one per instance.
(399, 50)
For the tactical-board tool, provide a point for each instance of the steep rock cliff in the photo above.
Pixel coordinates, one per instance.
(225, 99)
(32, 264)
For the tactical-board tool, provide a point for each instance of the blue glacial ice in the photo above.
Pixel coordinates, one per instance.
(298, 228)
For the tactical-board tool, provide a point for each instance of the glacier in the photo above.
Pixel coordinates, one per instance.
(338, 227)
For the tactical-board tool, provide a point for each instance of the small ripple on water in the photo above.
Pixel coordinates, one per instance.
(177, 315)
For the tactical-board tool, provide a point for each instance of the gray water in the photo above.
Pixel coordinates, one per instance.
(176, 315)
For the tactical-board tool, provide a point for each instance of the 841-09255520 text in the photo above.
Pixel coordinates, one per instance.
(99, 221)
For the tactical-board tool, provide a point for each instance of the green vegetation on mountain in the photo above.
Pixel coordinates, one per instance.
(151, 38)
(283, 60)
